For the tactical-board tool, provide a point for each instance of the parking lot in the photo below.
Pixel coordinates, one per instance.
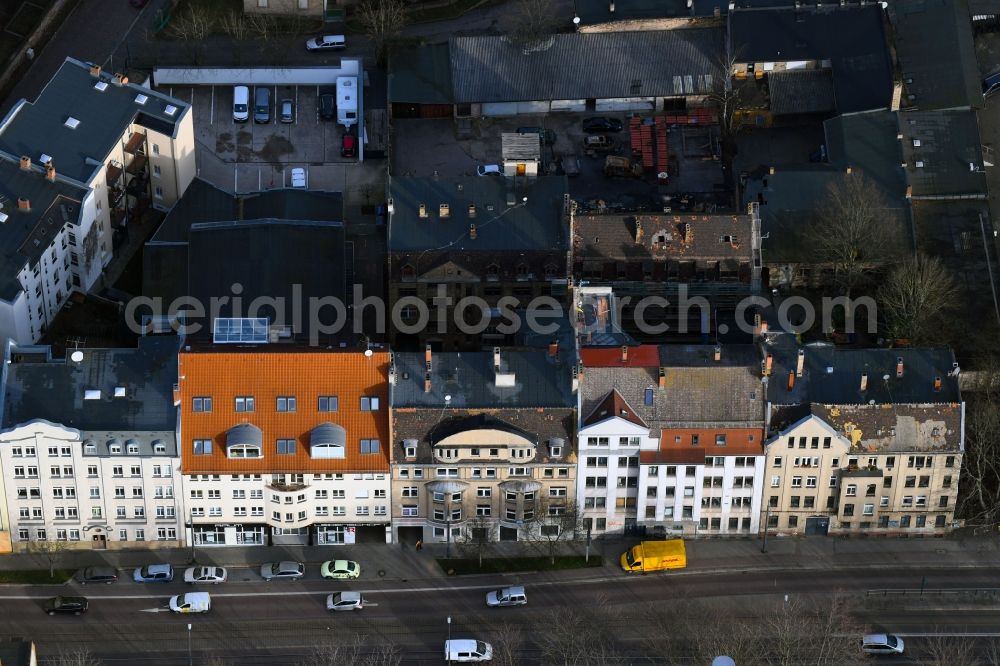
(453, 148)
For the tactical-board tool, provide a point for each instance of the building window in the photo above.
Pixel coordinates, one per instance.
(720, 440)
(158, 192)
(285, 404)
(328, 403)
(202, 447)
(244, 451)
(369, 446)
(369, 403)
(286, 446)
(203, 404)
(244, 404)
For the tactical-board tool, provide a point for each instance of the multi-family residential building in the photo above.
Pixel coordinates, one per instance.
(284, 445)
(483, 445)
(861, 440)
(671, 439)
(78, 165)
(875, 469)
(88, 448)
(502, 240)
(702, 265)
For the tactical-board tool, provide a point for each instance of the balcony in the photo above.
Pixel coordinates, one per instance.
(136, 144)
(114, 172)
(137, 166)
(287, 487)
(862, 472)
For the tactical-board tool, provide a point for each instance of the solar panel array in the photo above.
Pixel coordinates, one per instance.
(240, 330)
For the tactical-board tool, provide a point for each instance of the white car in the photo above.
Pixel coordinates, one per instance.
(345, 601)
(467, 650)
(192, 602)
(881, 644)
(214, 575)
(326, 43)
(298, 177)
(489, 170)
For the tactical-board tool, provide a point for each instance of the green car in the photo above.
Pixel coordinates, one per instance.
(340, 569)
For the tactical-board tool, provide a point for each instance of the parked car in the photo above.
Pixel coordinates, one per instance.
(345, 601)
(282, 571)
(73, 605)
(600, 124)
(286, 111)
(154, 573)
(489, 170)
(348, 145)
(506, 596)
(548, 136)
(192, 602)
(298, 177)
(599, 143)
(327, 107)
(105, 575)
(326, 43)
(571, 166)
(466, 650)
(340, 569)
(214, 575)
(881, 644)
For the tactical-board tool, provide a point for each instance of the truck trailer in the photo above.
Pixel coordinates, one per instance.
(650, 556)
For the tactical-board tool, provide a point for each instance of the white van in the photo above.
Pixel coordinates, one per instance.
(192, 602)
(467, 650)
(241, 104)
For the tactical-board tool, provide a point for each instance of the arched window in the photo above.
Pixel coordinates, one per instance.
(244, 451)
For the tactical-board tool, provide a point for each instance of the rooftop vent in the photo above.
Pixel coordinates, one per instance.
(101, 86)
(95, 70)
(23, 204)
(170, 109)
(919, 164)
(444, 211)
(25, 162)
(92, 394)
(141, 99)
(916, 143)
(119, 391)
(72, 122)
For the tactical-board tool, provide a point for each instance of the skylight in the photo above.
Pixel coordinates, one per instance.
(92, 394)
(72, 123)
(170, 109)
(141, 99)
(45, 159)
(3, 217)
(101, 86)
(238, 329)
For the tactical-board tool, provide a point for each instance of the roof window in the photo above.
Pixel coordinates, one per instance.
(92, 394)
(170, 109)
(119, 391)
(141, 99)
(101, 86)
(72, 123)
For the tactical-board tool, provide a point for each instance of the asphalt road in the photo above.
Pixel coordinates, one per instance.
(280, 622)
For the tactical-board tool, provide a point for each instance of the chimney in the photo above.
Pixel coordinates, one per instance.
(768, 364)
(864, 381)
(638, 231)
(937, 383)
(23, 204)
(428, 357)
(770, 171)
(554, 348)
(899, 367)
(800, 363)
(791, 380)
(95, 70)
(427, 382)
(763, 326)
(848, 169)
(496, 359)
(472, 232)
(444, 211)
(718, 353)
(25, 163)
(422, 211)
(611, 6)
(50, 173)
(579, 371)
(472, 211)
(663, 378)
(624, 353)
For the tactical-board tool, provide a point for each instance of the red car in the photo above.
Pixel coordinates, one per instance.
(348, 145)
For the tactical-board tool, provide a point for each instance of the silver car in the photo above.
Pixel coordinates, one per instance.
(345, 601)
(282, 571)
(506, 596)
(214, 575)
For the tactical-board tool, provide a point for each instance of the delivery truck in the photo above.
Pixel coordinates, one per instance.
(650, 556)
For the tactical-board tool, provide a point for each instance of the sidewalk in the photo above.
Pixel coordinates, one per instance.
(400, 562)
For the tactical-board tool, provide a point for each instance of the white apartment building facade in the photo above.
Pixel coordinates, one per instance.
(77, 166)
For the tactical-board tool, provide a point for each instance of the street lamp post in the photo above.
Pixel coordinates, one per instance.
(449, 640)
(767, 520)
(190, 658)
(191, 520)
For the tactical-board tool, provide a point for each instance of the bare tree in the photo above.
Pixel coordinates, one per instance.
(195, 24)
(477, 538)
(852, 231)
(78, 657)
(727, 94)
(579, 638)
(556, 522)
(382, 20)
(536, 21)
(50, 552)
(357, 651)
(979, 502)
(236, 26)
(948, 651)
(261, 25)
(507, 641)
(915, 298)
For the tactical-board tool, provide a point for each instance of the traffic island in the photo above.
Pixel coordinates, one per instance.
(465, 567)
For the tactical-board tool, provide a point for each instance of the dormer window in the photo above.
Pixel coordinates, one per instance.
(522, 270)
(556, 445)
(550, 270)
(410, 448)
(408, 272)
(244, 441)
(328, 441)
(133, 449)
(493, 270)
(244, 451)
(90, 448)
(115, 449)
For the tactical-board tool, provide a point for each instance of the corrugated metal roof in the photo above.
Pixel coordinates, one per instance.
(581, 66)
(420, 74)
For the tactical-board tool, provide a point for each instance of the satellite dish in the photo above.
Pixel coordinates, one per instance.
(76, 356)
(368, 353)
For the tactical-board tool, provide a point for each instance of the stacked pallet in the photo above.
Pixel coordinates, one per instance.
(662, 154)
(646, 134)
(635, 138)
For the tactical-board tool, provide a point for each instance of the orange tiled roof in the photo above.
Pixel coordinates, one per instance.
(643, 356)
(266, 375)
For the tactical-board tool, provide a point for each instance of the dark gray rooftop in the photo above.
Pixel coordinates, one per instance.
(942, 76)
(469, 378)
(503, 221)
(36, 128)
(950, 151)
(598, 11)
(26, 234)
(801, 91)
(851, 37)
(55, 390)
(420, 74)
(867, 141)
(579, 66)
(832, 375)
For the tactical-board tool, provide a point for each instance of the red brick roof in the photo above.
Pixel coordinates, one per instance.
(643, 356)
(266, 375)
